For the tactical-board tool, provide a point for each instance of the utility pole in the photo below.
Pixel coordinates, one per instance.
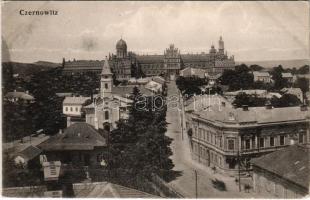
(196, 183)
(239, 171)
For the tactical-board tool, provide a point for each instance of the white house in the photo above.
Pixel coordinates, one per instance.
(289, 77)
(72, 106)
(262, 76)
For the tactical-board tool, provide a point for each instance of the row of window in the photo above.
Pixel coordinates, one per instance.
(204, 154)
(211, 137)
(208, 136)
(73, 109)
(273, 141)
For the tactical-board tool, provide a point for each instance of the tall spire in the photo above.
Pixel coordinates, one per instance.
(106, 70)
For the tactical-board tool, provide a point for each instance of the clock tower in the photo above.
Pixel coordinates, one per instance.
(106, 80)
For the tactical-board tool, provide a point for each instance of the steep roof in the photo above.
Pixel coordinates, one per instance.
(78, 136)
(287, 75)
(150, 58)
(291, 90)
(106, 70)
(108, 190)
(291, 163)
(29, 153)
(159, 79)
(75, 100)
(194, 72)
(257, 73)
(195, 57)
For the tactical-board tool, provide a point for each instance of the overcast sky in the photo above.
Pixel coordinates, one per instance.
(89, 30)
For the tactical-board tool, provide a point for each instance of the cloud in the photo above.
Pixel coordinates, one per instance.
(250, 29)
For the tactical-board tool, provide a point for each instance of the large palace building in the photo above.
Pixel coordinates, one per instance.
(126, 64)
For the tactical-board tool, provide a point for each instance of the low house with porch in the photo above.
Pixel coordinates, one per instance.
(80, 144)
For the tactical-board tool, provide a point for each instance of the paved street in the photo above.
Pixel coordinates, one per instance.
(185, 184)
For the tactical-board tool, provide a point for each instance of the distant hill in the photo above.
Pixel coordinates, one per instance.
(47, 64)
(26, 69)
(273, 63)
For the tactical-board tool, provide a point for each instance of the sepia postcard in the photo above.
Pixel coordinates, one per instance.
(155, 99)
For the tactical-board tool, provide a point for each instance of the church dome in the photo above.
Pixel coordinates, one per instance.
(121, 44)
(212, 50)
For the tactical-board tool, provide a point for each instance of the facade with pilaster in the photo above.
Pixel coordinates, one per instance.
(220, 135)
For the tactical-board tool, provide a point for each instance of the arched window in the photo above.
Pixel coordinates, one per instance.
(106, 115)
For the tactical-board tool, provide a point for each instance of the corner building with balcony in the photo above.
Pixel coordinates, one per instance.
(220, 135)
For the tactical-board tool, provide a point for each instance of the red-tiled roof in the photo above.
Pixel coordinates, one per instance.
(291, 163)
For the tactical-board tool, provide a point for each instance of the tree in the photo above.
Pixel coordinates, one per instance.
(47, 108)
(287, 100)
(255, 67)
(139, 145)
(237, 79)
(303, 70)
(190, 85)
(279, 81)
(303, 84)
(249, 100)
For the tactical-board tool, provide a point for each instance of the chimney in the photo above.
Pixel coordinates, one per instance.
(303, 107)
(60, 131)
(27, 92)
(245, 107)
(234, 105)
(268, 106)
